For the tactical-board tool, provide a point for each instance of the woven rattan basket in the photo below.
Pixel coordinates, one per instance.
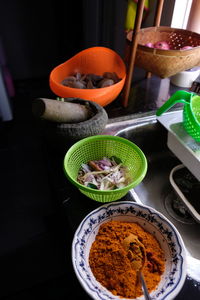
(165, 63)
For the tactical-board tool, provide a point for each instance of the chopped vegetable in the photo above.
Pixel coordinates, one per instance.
(104, 174)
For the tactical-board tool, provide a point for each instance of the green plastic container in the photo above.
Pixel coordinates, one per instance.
(191, 111)
(97, 147)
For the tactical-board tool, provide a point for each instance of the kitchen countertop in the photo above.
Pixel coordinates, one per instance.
(76, 206)
(40, 211)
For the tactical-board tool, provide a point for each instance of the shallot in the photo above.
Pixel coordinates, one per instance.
(90, 81)
(104, 174)
(150, 45)
(162, 45)
(165, 46)
(186, 48)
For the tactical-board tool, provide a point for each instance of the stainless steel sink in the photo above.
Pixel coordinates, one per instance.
(155, 190)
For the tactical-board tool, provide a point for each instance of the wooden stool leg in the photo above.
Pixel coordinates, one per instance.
(131, 62)
(156, 23)
(148, 75)
(158, 12)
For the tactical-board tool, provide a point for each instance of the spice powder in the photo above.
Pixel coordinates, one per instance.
(111, 266)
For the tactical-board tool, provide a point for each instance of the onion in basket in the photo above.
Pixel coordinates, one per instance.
(162, 45)
(104, 174)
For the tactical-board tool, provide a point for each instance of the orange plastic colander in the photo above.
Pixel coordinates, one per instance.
(96, 60)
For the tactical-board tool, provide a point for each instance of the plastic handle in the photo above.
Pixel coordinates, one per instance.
(179, 96)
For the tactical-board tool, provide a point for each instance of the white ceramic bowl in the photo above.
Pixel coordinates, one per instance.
(152, 221)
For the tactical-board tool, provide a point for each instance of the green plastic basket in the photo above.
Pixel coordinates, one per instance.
(191, 111)
(97, 147)
(191, 118)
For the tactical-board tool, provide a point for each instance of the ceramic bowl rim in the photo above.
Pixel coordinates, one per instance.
(181, 251)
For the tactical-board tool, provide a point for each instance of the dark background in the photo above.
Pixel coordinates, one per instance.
(38, 35)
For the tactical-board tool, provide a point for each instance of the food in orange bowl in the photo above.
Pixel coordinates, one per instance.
(95, 60)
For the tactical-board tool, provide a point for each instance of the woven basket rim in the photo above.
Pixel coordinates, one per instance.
(170, 52)
(165, 29)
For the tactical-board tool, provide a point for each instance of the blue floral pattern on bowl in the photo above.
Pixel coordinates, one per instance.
(152, 221)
